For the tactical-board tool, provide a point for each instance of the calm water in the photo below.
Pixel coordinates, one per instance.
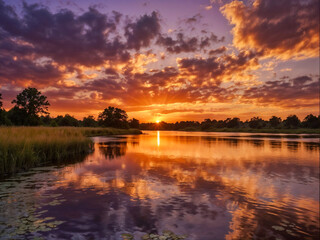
(206, 185)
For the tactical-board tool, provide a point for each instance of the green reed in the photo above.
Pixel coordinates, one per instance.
(24, 147)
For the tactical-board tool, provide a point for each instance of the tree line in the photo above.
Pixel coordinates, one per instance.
(291, 122)
(31, 109)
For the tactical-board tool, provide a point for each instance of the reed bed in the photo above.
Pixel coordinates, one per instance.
(24, 147)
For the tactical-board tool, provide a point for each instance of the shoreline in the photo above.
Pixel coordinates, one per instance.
(248, 130)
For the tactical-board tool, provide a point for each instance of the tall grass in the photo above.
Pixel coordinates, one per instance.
(24, 147)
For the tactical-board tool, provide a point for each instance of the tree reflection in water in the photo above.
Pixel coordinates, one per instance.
(113, 149)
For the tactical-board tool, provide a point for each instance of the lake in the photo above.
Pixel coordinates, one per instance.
(205, 185)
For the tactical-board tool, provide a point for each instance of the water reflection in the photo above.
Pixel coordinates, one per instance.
(158, 138)
(113, 149)
(275, 144)
(209, 186)
(293, 146)
(312, 146)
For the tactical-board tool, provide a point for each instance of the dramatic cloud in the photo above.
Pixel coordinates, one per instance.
(87, 39)
(217, 51)
(25, 72)
(283, 29)
(183, 44)
(297, 92)
(215, 70)
(139, 34)
(18, 67)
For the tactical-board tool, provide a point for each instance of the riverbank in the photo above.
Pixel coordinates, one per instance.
(22, 148)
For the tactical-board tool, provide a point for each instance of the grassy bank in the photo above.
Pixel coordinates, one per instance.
(91, 131)
(24, 147)
(264, 130)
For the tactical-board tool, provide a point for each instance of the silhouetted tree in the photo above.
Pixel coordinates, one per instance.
(183, 125)
(53, 123)
(113, 117)
(67, 120)
(221, 124)
(257, 122)
(46, 120)
(134, 123)
(233, 123)
(311, 121)
(18, 116)
(32, 101)
(292, 121)
(206, 124)
(275, 121)
(4, 118)
(3, 114)
(89, 121)
(147, 126)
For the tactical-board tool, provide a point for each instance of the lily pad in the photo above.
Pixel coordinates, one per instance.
(127, 236)
(278, 228)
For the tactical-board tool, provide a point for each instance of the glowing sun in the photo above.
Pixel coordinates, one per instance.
(157, 121)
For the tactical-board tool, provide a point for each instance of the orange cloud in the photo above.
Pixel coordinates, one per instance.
(281, 29)
(299, 92)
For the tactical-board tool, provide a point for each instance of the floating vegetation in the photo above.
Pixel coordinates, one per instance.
(289, 228)
(278, 228)
(23, 209)
(166, 235)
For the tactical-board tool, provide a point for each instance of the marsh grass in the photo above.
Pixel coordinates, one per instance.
(24, 147)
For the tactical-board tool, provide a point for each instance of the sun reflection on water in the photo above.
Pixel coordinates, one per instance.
(158, 138)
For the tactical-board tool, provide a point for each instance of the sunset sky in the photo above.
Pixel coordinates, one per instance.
(167, 60)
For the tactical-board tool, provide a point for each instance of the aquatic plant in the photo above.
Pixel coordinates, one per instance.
(24, 147)
(166, 235)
